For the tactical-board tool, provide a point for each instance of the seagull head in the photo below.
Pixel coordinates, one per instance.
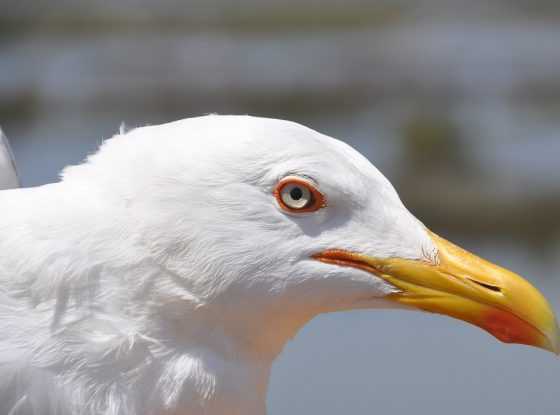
(254, 226)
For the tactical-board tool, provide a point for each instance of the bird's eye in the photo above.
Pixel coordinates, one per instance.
(297, 195)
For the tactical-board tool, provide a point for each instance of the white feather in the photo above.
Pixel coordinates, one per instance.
(160, 276)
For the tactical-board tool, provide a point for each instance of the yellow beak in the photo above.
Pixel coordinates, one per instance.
(464, 286)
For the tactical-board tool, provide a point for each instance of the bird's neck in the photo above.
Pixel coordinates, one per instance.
(220, 363)
(133, 325)
(202, 382)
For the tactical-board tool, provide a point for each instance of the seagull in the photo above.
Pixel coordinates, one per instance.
(163, 275)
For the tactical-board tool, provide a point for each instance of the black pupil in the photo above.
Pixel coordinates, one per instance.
(296, 193)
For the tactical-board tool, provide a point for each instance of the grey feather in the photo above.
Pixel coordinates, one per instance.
(8, 173)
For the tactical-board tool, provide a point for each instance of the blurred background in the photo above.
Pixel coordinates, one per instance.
(457, 102)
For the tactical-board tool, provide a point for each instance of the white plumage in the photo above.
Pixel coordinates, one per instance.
(162, 277)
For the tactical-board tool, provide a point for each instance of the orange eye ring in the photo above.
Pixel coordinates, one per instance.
(297, 195)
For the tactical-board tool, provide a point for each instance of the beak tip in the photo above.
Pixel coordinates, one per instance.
(556, 344)
(554, 340)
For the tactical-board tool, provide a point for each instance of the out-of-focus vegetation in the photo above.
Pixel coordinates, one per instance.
(458, 102)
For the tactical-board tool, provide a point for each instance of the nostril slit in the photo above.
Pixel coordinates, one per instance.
(487, 286)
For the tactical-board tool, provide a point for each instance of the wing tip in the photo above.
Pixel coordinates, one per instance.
(9, 178)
